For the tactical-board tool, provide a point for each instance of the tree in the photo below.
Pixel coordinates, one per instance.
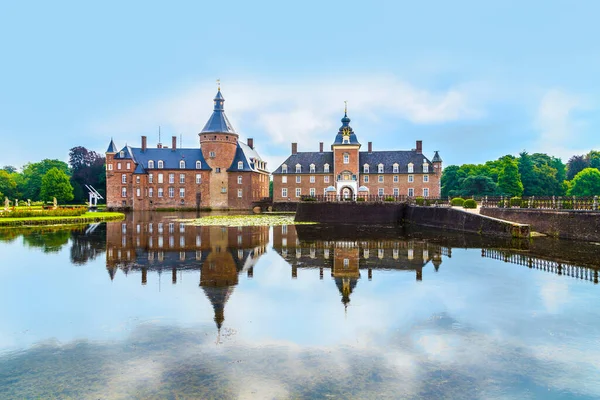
(575, 165)
(509, 179)
(478, 185)
(32, 177)
(10, 169)
(88, 169)
(55, 183)
(585, 183)
(451, 180)
(528, 174)
(593, 159)
(8, 186)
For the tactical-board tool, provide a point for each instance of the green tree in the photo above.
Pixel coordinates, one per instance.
(32, 177)
(55, 183)
(593, 159)
(87, 169)
(585, 183)
(529, 178)
(8, 186)
(478, 185)
(509, 179)
(575, 165)
(271, 189)
(451, 180)
(10, 169)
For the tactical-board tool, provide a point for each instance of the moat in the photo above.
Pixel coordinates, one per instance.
(151, 307)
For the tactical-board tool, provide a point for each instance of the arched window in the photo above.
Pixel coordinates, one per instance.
(366, 168)
(380, 168)
(198, 165)
(182, 164)
(240, 165)
(161, 164)
(151, 164)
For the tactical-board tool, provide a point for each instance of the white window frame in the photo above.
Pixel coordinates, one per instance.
(181, 178)
(366, 178)
(161, 192)
(151, 164)
(326, 179)
(298, 179)
(380, 178)
(171, 191)
(212, 154)
(150, 178)
(171, 178)
(123, 178)
(298, 192)
(380, 192)
(118, 165)
(312, 168)
(298, 168)
(150, 192)
(284, 179)
(312, 192)
(181, 164)
(284, 169)
(123, 192)
(366, 169)
(396, 178)
(395, 168)
(240, 165)
(138, 192)
(312, 179)
(425, 168)
(160, 178)
(240, 193)
(380, 169)
(411, 178)
(425, 192)
(396, 191)
(411, 168)
(425, 178)
(284, 192)
(411, 192)
(346, 158)
(239, 179)
(326, 168)
(198, 164)
(198, 179)
(161, 164)
(182, 192)
(128, 165)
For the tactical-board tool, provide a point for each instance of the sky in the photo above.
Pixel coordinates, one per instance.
(474, 80)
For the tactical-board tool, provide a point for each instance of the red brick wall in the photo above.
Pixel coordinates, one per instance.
(224, 147)
(304, 185)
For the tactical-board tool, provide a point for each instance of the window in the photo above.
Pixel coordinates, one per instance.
(171, 178)
(223, 189)
(312, 179)
(411, 178)
(240, 165)
(123, 178)
(161, 164)
(124, 192)
(109, 167)
(284, 179)
(298, 179)
(326, 168)
(396, 192)
(380, 178)
(181, 178)
(380, 168)
(425, 178)
(366, 179)
(198, 165)
(284, 169)
(151, 164)
(150, 192)
(425, 168)
(312, 168)
(118, 165)
(326, 179)
(298, 192)
(298, 168)
(171, 192)
(218, 170)
(410, 168)
(380, 191)
(138, 192)
(198, 179)
(395, 178)
(425, 192)
(284, 192)
(366, 168)
(395, 168)
(212, 154)
(182, 192)
(181, 164)
(325, 191)
(240, 192)
(137, 179)
(160, 178)
(411, 192)
(346, 158)
(160, 192)
(150, 178)
(122, 154)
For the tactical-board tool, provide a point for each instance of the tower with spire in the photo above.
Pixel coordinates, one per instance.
(345, 149)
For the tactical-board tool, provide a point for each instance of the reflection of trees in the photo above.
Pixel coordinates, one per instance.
(49, 241)
(87, 245)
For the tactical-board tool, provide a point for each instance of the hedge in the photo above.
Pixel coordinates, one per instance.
(470, 203)
(457, 201)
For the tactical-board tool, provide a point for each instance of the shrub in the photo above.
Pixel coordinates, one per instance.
(457, 201)
(389, 198)
(360, 199)
(419, 201)
(516, 202)
(470, 203)
(567, 204)
(308, 198)
(59, 212)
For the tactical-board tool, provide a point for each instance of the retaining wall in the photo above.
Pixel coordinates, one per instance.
(579, 225)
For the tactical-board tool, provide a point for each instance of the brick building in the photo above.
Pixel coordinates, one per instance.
(348, 172)
(222, 173)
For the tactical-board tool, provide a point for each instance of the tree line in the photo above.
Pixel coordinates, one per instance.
(49, 179)
(536, 174)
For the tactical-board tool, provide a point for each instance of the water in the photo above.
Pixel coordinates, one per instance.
(151, 308)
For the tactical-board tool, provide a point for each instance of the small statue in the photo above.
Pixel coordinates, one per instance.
(28, 202)
(55, 204)
(6, 204)
(16, 202)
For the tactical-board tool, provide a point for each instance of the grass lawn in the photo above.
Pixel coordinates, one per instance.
(87, 217)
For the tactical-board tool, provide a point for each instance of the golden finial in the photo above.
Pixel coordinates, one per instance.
(345, 106)
(219, 85)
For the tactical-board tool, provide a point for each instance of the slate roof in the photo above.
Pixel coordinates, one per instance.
(339, 138)
(248, 156)
(218, 121)
(387, 158)
(436, 157)
(112, 147)
(170, 158)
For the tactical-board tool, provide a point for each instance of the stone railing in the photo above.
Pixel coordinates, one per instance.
(566, 203)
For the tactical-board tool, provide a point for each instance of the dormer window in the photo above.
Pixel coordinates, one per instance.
(410, 168)
(151, 164)
(346, 158)
(380, 168)
(161, 165)
(284, 169)
(425, 168)
(298, 168)
(326, 168)
(198, 165)
(346, 140)
(366, 168)
(122, 154)
(240, 165)
(181, 164)
(312, 168)
(395, 168)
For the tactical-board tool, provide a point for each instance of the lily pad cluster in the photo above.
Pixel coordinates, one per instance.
(246, 220)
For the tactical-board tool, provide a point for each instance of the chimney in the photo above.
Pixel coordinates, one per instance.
(144, 143)
(419, 147)
(174, 142)
(370, 147)
(320, 147)
(294, 148)
(159, 146)
(251, 143)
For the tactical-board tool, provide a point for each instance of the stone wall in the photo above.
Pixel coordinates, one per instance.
(357, 213)
(579, 225)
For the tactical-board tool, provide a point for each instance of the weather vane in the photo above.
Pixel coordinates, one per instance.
(219, 84)
(345, 106)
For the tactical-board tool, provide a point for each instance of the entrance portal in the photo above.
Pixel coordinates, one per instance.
(347, 193)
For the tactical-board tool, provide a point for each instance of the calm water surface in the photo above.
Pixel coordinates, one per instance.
(152, 308)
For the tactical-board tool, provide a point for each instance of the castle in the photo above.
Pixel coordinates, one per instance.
(222, 173)
(347, 173)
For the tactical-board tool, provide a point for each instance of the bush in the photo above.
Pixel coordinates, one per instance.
(567, 205)
(360, 199)
(389, 198)
(516, 202)
(308, 198)
(59, 212)
(470, 203)
(419, 201)
(457, 202)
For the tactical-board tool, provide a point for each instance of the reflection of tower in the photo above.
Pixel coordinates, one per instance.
(346, 285)
(218, 296)
(346, 268)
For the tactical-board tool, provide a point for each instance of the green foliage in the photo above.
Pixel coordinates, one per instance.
(271, 189)
(360, 199)
(516, 202)
(308, 198)
(88, 168)
(457, 202)
(419, 201)
(585, 183)
(389, 198)
(55, 183)
(29, 213)
(509, 179)
(470, 203)
(478, 185)
(575, 165)
(8, 185)
(31, 183)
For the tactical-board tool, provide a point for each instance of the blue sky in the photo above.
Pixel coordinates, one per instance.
(475, 80)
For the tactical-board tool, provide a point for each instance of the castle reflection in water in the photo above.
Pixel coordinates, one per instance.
(144, 243)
